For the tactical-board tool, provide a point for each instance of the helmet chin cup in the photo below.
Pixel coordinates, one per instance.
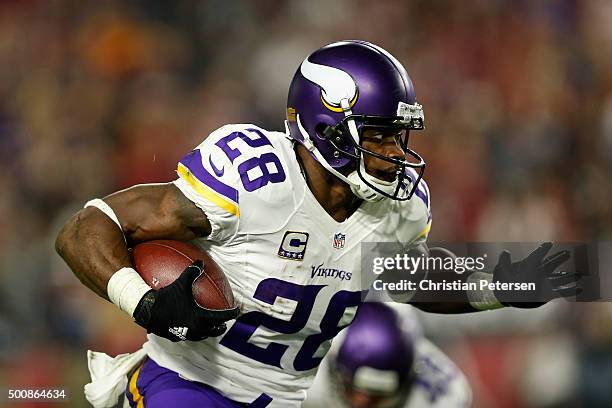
(361, 189)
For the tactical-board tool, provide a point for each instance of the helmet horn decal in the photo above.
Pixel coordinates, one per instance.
(336, 85)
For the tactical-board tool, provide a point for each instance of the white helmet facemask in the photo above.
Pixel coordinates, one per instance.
(355, 179)
(359, 186)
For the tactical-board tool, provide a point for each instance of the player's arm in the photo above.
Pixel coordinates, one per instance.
(446, 302)
(536, 268)
(95, 248)
(94, 243)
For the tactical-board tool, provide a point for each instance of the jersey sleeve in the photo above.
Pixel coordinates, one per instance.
(423, 198)
(414, 215)
(207, 177)
(239, 177)
(422, 195)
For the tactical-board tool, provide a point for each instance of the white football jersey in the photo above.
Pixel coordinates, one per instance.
(439, 383)
(294, 270)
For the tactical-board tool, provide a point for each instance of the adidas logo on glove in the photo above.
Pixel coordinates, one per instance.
(180, 332)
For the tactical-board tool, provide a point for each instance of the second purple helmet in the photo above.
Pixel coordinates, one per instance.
(376, 355)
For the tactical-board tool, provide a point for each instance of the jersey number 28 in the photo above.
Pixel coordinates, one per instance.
(237, 338)
(256, 171)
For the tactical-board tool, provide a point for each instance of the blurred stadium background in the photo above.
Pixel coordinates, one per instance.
(518, 99)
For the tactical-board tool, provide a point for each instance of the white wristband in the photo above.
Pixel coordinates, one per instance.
(482, 299)
(125, 289)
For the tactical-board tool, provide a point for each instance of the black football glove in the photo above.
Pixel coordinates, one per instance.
(549, 283)
(172, 313)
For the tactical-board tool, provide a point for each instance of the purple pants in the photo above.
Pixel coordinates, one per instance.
(152, 386)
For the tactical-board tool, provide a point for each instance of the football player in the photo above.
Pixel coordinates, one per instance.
(273, 209)
(382, 360)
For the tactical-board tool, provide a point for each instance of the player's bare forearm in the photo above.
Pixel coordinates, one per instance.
(94, 247)
(444, 302)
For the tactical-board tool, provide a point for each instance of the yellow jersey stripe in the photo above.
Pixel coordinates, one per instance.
(136, 397)
(424, 231)
(204, 191)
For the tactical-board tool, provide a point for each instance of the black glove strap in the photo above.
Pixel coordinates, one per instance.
(142, 313)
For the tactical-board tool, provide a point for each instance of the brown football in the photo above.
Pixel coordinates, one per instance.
(160, 262)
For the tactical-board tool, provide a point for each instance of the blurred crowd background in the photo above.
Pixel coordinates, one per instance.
(97, 96)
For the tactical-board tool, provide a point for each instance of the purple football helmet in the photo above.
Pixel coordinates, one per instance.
(341, 90)
(375, 359)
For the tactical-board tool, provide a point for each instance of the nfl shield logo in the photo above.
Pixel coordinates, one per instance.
(339, 240)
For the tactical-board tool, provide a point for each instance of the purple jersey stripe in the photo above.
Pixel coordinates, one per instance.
(422, 191)
(262, 401)
(193, 162)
